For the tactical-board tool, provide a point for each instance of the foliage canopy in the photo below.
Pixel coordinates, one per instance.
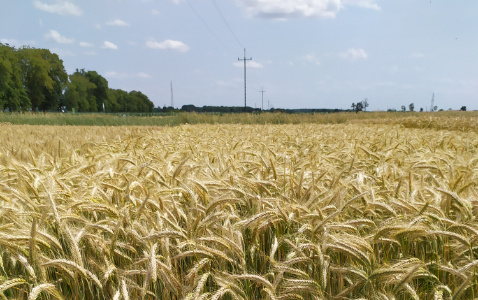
(36, 79)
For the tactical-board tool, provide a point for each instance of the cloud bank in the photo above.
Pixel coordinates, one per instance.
(60, 8)
(250, 64)
(117, 22)
(312, 59)
(109, 45)
(86, 44)
(293, 9)
(363, 3)
(57, 37)
(168, 45)
(353, 54)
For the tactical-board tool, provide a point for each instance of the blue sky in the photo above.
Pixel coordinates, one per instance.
(305, 53)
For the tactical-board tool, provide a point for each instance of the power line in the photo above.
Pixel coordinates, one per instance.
(207, 26)
(227, 24)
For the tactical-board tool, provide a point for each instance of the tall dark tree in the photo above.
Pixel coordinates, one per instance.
(54, 97)
(112, 104)
(101, 90)
(121, 99)
(43, 76)
(12, 92)
(79, 94)
(139, 102)
(35, 76)
(358, 107)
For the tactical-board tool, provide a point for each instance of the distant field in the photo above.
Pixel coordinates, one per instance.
(338, 206)
(467, 120)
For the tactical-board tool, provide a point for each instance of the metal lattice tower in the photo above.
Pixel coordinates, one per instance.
(172, 97)
(433, 102)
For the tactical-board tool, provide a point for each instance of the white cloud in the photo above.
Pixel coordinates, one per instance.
(60, 7)
(117, 22)
(86, 45)
(167, 44)
(287, 9)
(353, 54)
(254, 65)
(155, 12)
(57, 37)
(312, 59)
(250, 64)
(363, 3)
(113, 74)
(143, 75)
(109, 45)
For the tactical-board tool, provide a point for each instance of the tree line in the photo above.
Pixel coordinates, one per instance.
(35, 79)
(248, 109)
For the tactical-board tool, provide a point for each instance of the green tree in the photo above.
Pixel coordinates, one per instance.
(43, 77)
(358, 107)
(133, 101)
(101, 90)
(121, 99)
(112, 104)
(411, 107)
(54, 97)
(79, 93)
(12, 93)
(139, 102)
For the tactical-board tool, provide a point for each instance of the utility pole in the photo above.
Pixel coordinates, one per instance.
(433, 102)
(245, 89)
(262, 91)
(172, 98)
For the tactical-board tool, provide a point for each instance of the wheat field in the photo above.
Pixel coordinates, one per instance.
(366, 210)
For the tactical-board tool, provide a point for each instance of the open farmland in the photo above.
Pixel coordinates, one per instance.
(369, 209)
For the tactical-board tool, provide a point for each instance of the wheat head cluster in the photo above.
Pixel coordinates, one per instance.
(306, 211)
